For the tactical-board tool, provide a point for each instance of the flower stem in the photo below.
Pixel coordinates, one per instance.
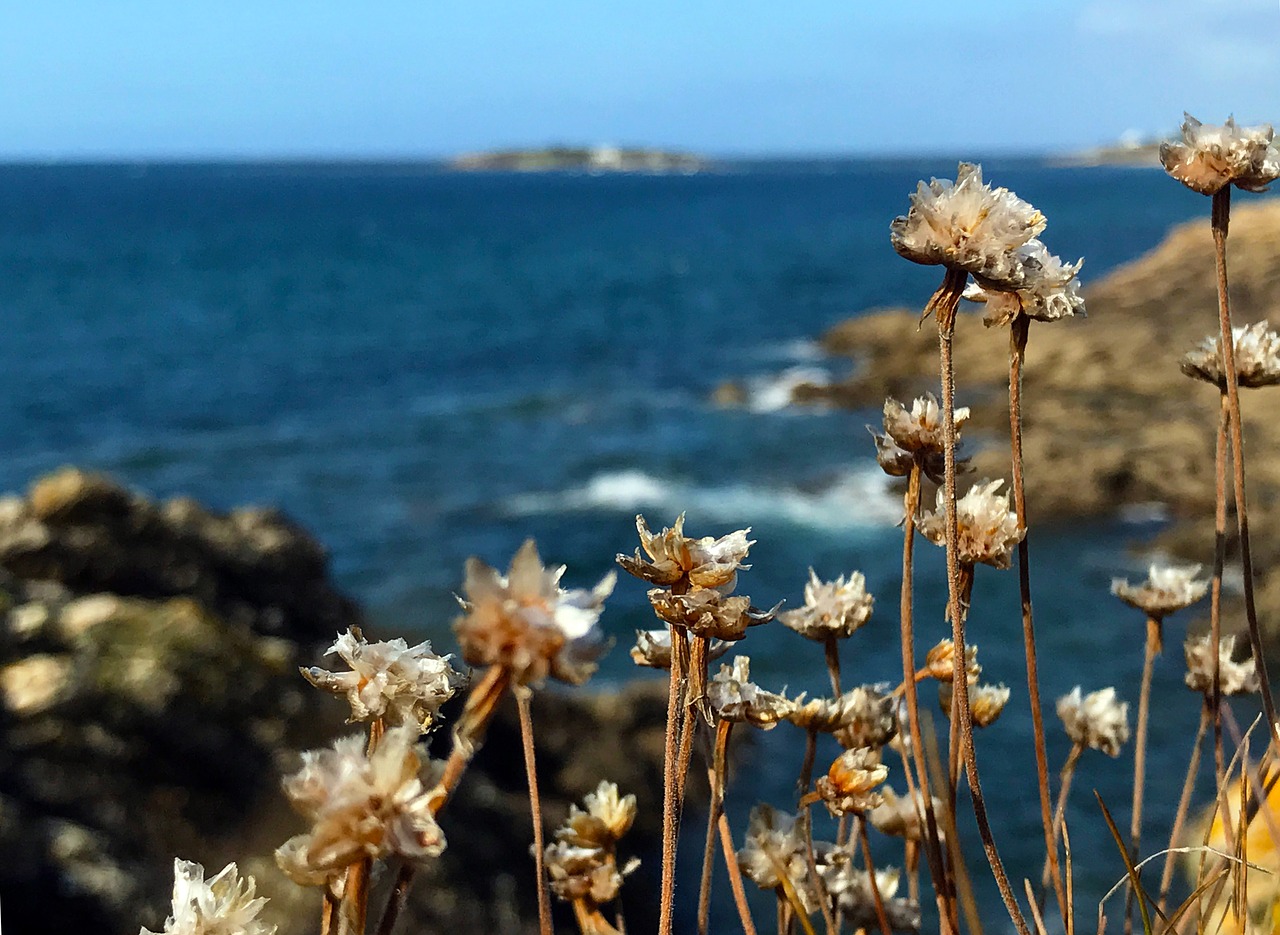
(670, 778)
(932, 842)
(1219, 561)
(735, 877)
(1184, 802)
(1154, 644)
(833, 664)
(1018, 333)
(881, 916)
(806, 766)
(398, 898)
(943, 304)
(355, 898)
(1060, 810)
(1220, 218)
(716, 779)
(523, 694)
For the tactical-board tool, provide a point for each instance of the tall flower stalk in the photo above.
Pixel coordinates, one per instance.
(1210, 160)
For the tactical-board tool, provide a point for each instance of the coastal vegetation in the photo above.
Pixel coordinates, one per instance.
(381, 805)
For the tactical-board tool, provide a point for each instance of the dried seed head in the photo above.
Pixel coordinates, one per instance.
(774, 846)
(986, 702)
(223, 905)
(1234, 678)
(582, 864)
(966, 225)
(1209, 158)
(736, 698)
(653, 649)
(392, 681)
(915, 435)
(940, 661)
(832, 609)
(1166, 590)
(676, 559)
(988, 528)
(850, 890)
(360, 806)
(606, 819)
(1041, 286)
(526, 623)
(849, 784)
(1098, 720)
(707, 612)
(1257, 356)
(901, 817)
(861, 717)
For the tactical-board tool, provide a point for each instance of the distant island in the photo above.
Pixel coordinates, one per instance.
(1131, 149)
(579, 158)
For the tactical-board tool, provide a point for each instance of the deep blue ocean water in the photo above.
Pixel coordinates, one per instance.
(421, 366)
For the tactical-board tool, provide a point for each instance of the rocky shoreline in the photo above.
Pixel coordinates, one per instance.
(150, 700)
(1110, 420)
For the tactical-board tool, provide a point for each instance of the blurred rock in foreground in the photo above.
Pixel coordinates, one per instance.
(150, 700)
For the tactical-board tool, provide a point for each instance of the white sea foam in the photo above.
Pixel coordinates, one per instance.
(856, 500)
(777, 390)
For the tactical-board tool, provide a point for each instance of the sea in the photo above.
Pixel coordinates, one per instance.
(420, 366)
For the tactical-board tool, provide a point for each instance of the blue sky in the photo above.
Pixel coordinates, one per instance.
(384, 78)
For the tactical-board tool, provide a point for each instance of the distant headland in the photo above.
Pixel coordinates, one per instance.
(579, 158)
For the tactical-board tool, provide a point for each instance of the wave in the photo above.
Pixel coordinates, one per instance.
(776, 391)
(858, 499)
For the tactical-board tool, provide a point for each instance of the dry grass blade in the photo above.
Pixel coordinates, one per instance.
(1035, 907)
(1130, 869)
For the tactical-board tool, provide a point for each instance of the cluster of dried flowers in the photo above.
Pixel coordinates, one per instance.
(378, 796)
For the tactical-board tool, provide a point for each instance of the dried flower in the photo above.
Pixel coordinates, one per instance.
(774, 845)
(1098, 720)
(986, 702)
(1257, 357)
(901, 817)
(1041, 286)
(526, 623)
(987, 528)
(849, 784)
(832, 609)
(360, 805)
(966, 225)
(606, 819)
(736, 698)
(1234, 678)
(675, 559)
(915, 435)
(1209, 158)
(1166, 590)
(223, 905)
(941, 661)
(392, 681)
(863, 716)
(653, 649)
(707, 612)
(850, 890)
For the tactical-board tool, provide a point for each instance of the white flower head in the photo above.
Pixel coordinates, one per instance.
(708, 612)
(941, 661)
(901, 816)
(861, 717)
(606, 818)
(850, 783)
(832, 609)
(774, 845)
(966, 225)
(675, 558)
(525, 622)
(653, 649)
(1166, 590)
(360, 805)
(736, 698)
(1209, 158)
(1040, 286)
(986, 702)
(1257, 356)
(392, 681)
(222, 905)
(1234, 678)
(1098, 720)
(988, 528)
(850, 889)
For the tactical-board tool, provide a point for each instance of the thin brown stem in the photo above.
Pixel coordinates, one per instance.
(329, 913)
(833, 664)
(945, 309)
(398, 898)
(1220, 219)
(1184, 803)
(881, 916)
(932, 842)
(806, 766)
(355, 898)
(716, 778)
(1060, 810)
(735, 877)
(482, 701)
(670, 780)
(1219, 561)
(1018, 334)
(1154, 643)
(523, 694)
